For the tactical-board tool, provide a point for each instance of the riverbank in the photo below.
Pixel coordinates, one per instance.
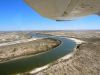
(34, 71)
(86, 59)
(77, 41)
(12, 50)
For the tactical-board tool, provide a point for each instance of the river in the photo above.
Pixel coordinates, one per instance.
(34, 61)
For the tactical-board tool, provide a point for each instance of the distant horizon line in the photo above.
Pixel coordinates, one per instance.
(51, 30)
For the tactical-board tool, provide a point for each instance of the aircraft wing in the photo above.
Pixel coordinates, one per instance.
(65, 9)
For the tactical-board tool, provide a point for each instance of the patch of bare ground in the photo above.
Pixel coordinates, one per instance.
(13, 36)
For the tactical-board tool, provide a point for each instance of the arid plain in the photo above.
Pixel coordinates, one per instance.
(85, 61)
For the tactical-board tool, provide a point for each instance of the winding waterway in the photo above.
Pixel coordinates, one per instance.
(33, 61)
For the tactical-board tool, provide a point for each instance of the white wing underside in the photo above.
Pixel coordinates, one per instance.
(65, 9)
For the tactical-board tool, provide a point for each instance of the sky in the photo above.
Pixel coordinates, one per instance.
(17, 15)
